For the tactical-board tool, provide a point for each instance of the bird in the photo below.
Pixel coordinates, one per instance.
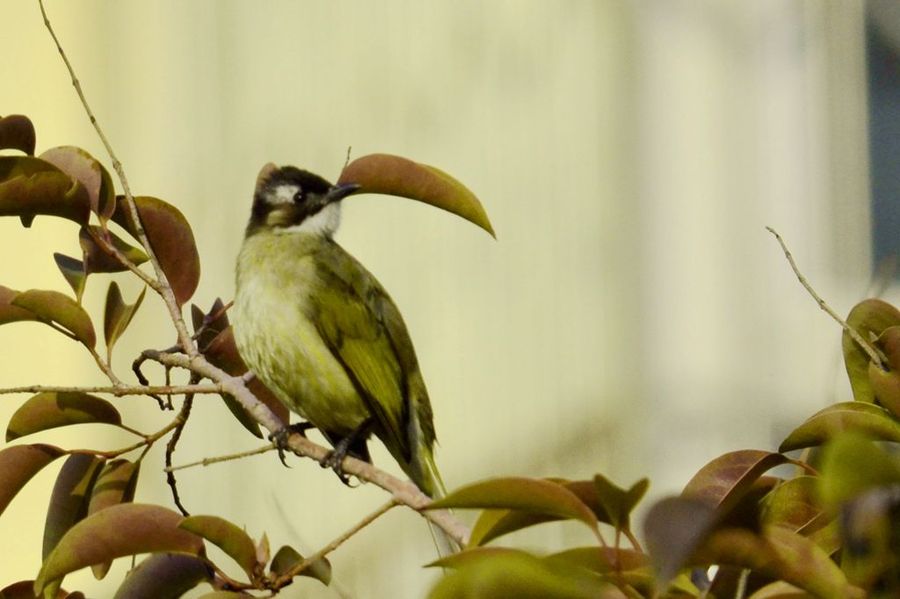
(323, 334)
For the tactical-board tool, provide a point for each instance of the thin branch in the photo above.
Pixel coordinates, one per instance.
(164, 288)
(321, 553)
(119, 390)
(182, 419)
(873, 353)
(105, 368)
(222, 458)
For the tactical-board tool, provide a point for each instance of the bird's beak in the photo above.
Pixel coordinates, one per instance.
(339, 192)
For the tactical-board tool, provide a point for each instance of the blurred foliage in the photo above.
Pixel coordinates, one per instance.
(831, 529)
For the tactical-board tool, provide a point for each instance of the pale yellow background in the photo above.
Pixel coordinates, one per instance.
(633, 318)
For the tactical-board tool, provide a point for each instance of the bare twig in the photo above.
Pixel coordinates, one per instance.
(873, 353)
(182, 419)
(118, 391)
(309, 561)
(222, 458)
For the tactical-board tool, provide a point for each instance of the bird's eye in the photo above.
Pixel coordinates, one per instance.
(298, 197)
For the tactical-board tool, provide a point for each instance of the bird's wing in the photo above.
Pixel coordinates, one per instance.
(363, 329)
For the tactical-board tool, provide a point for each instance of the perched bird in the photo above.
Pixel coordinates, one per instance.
(322, 333)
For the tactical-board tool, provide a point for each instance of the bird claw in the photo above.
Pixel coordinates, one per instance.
(280, 438)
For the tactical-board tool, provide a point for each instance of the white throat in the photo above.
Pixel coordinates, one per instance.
(324, 222)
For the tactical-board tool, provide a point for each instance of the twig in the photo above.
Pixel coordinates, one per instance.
(105, 368)
(222, 458)
(307, 562)
(182, 419)
(164, 288)
(866, 347)
(118, 391)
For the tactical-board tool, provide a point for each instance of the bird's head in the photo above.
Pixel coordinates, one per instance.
(288, 199)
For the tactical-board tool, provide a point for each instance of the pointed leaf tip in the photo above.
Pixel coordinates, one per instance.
(393, 175)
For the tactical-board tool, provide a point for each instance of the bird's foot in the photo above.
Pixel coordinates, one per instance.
(280, 437)
(342, 449)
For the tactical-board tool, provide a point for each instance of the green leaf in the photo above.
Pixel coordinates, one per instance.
(72, 270)
(602, 560)
(117, 315)
(30, 187)
(53, 409)
(53, 306)
(674, 528)
(726, 479)
(851, 465)
(792, 504)
(164, 576)
(868, 317)
(495, 573)
(524, 494)
(287, 558)
(18, 464)
(116, 484)
(70, 497)
(97, 260)
(226, 536)
(10, 312)
(886, 387)
(393, 175)
(117, 531)
(17, 133)
(618, 502)
(170, 237)
(82, 167)
(857, 416)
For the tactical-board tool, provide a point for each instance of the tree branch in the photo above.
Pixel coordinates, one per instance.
(118, 390)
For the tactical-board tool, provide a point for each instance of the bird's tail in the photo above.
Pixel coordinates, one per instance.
(434, 486)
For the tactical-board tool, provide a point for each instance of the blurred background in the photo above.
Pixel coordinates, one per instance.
(633, 318)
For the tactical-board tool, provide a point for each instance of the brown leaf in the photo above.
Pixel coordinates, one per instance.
(18, 464)
(54, 409)
(170, 237)
(29, 187)
(724, 480)
(228, 537)
(52, 306)
(397, 176)
(81, 166)
(97, 260)
(117, 315)
(10, 312)
(70, 497)
(72, 270)
(116, 484)
(164, 575)
(287, 558)
(17, 133)
(674, 528)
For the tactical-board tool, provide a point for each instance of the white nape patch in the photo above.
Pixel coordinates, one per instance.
(283, 194)
(324, 222)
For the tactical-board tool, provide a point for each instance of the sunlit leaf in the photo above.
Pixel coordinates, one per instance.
(851, 465)
(287, 558)
(228, 537)
(868, 318)
(117, 531)
(164, 576)
(722, 482)
(17, 133)
(10, 312)
(30, 187)
(96, 259)
(674, 528)
(18, 464)
(52, 306)
(510, 573)
(525, 494)
(117, 315)
(393, 175)
(857, 416)
(84, 168)
(170, 237)
(72, 270)
(52, 409)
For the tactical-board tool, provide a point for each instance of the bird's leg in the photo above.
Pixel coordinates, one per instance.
(335, 458)
(280, 437)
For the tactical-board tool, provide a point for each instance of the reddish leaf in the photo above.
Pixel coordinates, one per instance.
(164, 575)
(17, 133)
(52, 306)
(869, 317)
(170, 237)
(724, 480)
(97, 260)
(18, 464)
(9, 312)
(117, 315)
(674, 528)
(857, 416)
(82, 167)
(393, 175)
(117, 531)
(226, 536)
(29, 187)
(70, 497)
(525, 494)
(72, 270)
(116, 484)
(53, 409)
(792, 504)
(287, 558)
